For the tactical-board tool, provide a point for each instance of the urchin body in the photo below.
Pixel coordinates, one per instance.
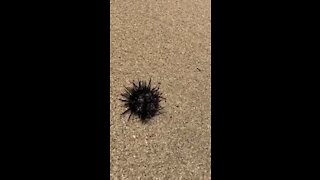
(142, 100)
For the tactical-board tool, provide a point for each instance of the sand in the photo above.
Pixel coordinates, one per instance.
(170, 42)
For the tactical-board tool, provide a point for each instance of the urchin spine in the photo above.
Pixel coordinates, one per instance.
(142, 100)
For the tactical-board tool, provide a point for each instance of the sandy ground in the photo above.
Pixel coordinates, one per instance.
(170, 42)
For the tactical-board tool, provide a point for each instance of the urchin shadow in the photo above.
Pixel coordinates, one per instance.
(142, 101)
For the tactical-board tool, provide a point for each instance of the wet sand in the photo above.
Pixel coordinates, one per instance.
(170, 42)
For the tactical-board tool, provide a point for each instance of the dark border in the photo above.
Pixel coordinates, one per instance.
(248, 89)
(62, 86)
(103, 138)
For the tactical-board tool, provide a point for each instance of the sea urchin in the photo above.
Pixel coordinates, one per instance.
(142, 100)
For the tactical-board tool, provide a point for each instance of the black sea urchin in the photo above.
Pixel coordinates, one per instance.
(142, 100)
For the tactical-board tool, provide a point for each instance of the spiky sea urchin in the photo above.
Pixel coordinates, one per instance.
(142, 100)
